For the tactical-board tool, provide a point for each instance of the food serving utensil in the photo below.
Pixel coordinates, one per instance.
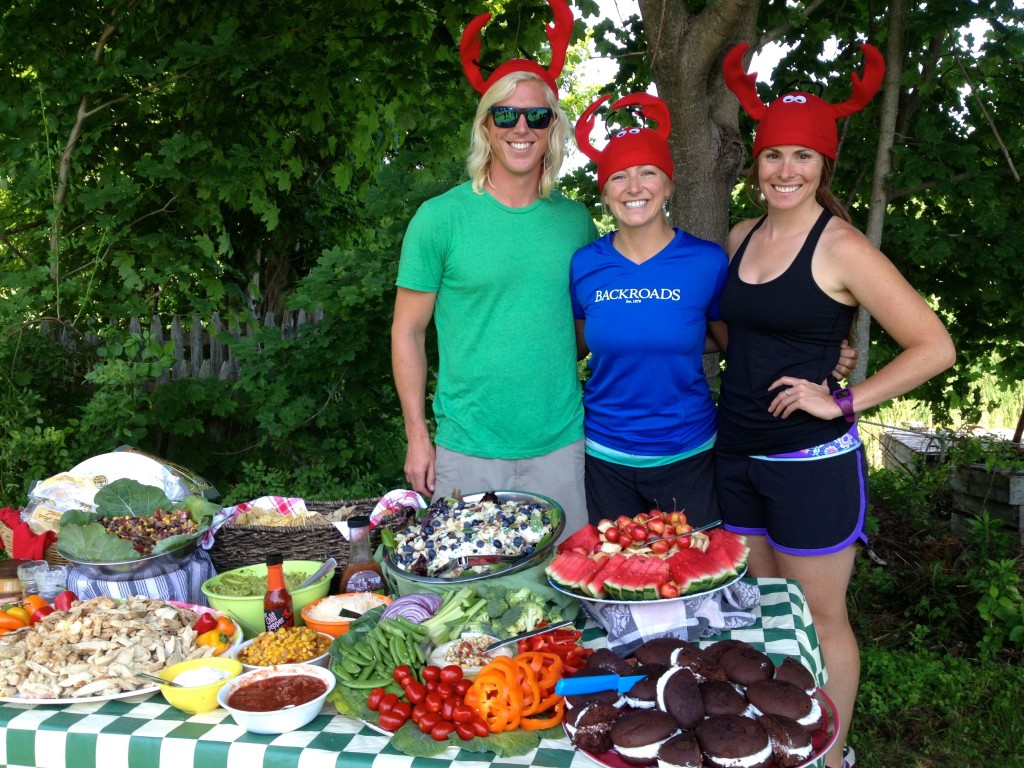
(242, 622)
(329, 565)
(470, 561)
(538, 631)
(575, 686)
(158, 680)
(715, 524)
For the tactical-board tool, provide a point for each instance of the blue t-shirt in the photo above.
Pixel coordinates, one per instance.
(645, 326)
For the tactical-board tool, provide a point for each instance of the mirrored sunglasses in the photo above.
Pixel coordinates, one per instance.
(507, 117)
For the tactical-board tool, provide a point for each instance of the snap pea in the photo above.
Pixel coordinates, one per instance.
(373, 682)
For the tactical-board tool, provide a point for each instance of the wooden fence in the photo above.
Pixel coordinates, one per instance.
(198, 349)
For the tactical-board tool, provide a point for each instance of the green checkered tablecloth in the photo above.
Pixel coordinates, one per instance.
(145, 732)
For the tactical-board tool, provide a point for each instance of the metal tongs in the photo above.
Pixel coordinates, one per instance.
(470, 561)
(715, 524)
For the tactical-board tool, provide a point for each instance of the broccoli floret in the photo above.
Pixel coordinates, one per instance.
(522, 618)
(524, 595)
(554, 614)
(497, 606)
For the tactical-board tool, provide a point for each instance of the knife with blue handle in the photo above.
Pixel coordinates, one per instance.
(574, 686)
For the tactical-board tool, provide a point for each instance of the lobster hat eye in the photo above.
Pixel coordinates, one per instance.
(801, 119)
(629, 146)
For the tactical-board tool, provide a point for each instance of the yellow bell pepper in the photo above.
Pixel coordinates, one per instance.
(13, 617)
(214, 639)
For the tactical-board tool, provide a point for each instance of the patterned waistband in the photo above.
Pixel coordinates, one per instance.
(842, 444)
(638, 461)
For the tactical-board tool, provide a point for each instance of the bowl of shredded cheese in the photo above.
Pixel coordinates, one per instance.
(333, 614)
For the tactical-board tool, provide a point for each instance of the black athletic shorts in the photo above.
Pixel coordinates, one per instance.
(687, 486)
(804, 507)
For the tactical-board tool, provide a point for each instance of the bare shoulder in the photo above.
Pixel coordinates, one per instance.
(842, 242)
(738, 233)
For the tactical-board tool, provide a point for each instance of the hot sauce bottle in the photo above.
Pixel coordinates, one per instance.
(362, 574)
(277, 603)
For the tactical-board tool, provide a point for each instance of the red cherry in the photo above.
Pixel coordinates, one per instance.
(639, 533)
(625, 540)
(612, 534)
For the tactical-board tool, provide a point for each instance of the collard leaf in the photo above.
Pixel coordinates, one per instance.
(92, 543)
(172, 542)
(130, 498)
(76, 517)
(201, 510)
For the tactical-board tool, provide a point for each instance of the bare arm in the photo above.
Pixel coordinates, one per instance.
(413, 311)
(582, 350)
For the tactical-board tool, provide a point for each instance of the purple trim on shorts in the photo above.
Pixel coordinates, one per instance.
(849, 441)
(857, 534)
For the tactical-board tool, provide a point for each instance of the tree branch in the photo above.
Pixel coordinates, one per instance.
(781, 31)
(988, 117)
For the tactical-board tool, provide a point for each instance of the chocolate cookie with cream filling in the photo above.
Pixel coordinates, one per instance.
(733, 741)
(637, 736)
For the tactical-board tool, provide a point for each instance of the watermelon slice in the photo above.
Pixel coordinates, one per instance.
(571, 570)
(608, 565)
(587, 540)
(732, 546)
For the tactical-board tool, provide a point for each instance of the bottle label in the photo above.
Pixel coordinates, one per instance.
(365, 581)
(278, 619)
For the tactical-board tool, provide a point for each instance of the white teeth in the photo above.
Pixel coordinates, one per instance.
(786, 189)
(520, 145)
(636, 203)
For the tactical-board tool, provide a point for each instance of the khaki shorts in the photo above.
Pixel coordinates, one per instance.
(557, 475)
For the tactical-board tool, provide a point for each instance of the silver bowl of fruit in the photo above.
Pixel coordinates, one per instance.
(479, 536)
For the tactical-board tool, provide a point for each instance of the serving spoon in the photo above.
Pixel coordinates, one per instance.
(158, 680)
(329, 564)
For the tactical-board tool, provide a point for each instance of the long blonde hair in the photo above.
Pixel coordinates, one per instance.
(478, 164)
(822, 194)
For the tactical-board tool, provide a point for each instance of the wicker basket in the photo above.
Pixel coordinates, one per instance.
(236, 546)
(51, 555)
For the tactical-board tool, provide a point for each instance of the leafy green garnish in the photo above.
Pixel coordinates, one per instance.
(81, 538)
(92, 543)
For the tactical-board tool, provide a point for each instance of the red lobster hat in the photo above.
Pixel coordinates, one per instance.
(630, 146)
(801, 118)
(558, 35)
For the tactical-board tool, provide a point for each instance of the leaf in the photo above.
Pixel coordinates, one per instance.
(172, 542)
(92, 543)
(201, 510)
(129, 498)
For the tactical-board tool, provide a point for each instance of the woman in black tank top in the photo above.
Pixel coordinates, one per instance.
(790, 468)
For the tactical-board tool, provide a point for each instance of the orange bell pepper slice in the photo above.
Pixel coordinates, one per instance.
(538, 723)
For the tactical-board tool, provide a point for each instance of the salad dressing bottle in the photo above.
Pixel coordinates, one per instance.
(277, 602)
(362, 574)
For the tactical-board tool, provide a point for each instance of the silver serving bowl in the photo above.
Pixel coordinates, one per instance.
(143, 568)
(502, 569)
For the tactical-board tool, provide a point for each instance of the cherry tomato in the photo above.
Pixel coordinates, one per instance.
(373, 700)
(434, 700)
(451, 674)
(479, 727)
(462, 714)
(465, 731)
(388, 702)
(392, 721)
(403, 708)
(462, 686)
(428, 721)
(441, 731)
(415, 691)
(401, 672)
(448, 706)
(431, 673)
(445, 689)
(419, 711)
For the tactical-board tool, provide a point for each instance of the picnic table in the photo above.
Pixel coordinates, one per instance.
(145, 731)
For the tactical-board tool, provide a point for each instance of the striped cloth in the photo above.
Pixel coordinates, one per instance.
(184, 584)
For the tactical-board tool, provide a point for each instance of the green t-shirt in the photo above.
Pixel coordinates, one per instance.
(507, 386)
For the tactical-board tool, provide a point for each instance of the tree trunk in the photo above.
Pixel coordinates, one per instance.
(686, 52)
(894, 55)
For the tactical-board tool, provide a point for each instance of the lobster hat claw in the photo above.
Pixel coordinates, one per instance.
(799, 118)
(558, 34)
(630, 146)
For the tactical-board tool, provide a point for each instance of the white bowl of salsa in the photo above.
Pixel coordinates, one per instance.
(277, 699)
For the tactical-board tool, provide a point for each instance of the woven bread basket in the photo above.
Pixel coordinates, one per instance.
(236, 546)
(51, 555)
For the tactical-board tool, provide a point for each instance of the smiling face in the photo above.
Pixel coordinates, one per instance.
(636, 196)
(789, 175)
(518, 152)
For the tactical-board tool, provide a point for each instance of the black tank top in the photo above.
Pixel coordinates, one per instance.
(784, 327)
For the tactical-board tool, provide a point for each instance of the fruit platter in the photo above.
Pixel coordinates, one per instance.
(652, 556)
(478, 536)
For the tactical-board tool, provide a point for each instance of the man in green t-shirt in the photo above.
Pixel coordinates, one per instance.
(488, 261)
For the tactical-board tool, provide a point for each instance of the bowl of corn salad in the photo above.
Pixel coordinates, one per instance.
(291, 645)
